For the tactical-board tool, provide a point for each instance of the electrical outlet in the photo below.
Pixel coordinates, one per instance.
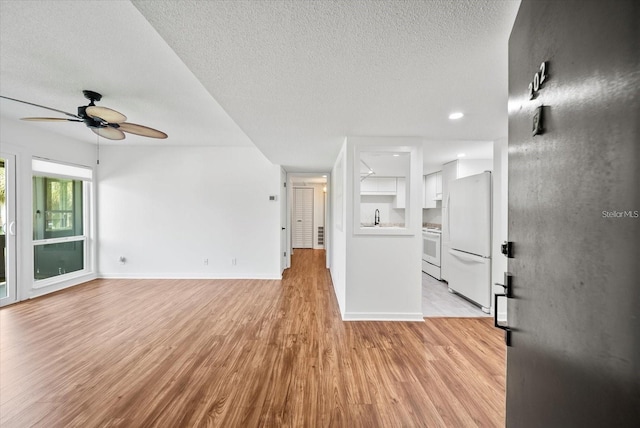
(234, 261)
(122, 260)
(206, 262)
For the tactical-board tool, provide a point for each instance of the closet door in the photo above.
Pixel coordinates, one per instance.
(302, 217)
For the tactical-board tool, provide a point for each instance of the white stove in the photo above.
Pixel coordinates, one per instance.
(431, 245)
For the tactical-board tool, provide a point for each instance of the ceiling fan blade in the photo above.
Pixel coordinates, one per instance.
(145, 131)
(49, 119)
(109, 133)
(105, 114)
(38, 105)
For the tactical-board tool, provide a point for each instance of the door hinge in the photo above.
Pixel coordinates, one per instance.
(285, 254)
(284, 184)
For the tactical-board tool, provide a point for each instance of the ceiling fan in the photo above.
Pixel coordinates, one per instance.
(104, 121)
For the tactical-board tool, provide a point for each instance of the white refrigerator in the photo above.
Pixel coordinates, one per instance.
(469, 227)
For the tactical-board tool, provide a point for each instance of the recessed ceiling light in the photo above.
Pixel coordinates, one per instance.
(324, 176)
(461, 155)
(395, 155)
(456, 115)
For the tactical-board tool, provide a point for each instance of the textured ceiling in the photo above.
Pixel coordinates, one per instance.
(51, 50)
(297, 76)
(292, 77)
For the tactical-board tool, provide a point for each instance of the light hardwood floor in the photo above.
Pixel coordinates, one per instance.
(240, 353)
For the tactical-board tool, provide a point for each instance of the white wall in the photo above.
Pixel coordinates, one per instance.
(337, 250)
(383, 272)
(432, 215)
(384, 203)
(500, 220)
(167, 209)
(319, 203)
(26, 140)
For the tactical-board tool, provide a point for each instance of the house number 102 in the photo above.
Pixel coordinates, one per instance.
(538, 80)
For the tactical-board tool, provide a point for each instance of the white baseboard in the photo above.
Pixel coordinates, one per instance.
(185, 276)
(382, 316)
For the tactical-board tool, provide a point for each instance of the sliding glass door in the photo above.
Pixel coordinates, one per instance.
(8, 283)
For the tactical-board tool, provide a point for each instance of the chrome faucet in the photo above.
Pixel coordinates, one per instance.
(376, 218)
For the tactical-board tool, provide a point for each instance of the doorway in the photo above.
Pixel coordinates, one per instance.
(308, 201)
(8, 282)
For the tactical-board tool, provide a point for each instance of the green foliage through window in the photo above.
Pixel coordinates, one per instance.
(57, 207)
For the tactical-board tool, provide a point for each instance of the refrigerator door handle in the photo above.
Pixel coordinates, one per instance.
(464, 256)
(448, 216)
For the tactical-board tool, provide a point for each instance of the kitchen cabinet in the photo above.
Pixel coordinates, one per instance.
(400, 200)
(378, 186)
(439, 186)
(432, 190)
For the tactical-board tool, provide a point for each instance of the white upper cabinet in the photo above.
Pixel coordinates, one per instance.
(378, 186)
(432, 189)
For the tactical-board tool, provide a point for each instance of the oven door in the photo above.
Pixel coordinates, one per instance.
(431, 248)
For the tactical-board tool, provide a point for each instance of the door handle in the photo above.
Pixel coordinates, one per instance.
(508, 293)
(506, 328)
(12, 228)
(508, 280)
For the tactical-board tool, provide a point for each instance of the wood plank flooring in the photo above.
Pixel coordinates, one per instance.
(240, 353)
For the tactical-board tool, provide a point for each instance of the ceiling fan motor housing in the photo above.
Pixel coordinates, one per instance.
(91, 122)
(92, 96)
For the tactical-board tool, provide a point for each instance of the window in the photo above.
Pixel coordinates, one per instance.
(62, 208)
(383, 176)
(60, 211)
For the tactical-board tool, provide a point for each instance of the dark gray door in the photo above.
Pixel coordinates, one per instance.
(574, 203)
